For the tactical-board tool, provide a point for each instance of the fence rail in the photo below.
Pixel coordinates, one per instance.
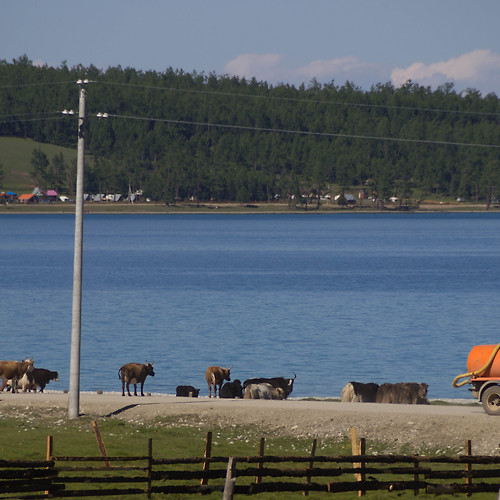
(73, 476)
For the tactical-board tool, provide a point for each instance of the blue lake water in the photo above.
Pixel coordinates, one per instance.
(332, 298)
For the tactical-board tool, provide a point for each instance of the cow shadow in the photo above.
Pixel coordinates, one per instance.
(121, 410)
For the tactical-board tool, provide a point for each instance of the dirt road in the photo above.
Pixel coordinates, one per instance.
(413, 427)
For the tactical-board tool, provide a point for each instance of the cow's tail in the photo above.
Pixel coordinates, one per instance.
(120, 373)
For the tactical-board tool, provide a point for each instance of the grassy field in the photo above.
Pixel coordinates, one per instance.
(26, 439)
(15, 157)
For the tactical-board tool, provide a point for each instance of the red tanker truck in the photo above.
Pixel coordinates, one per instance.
(483, 365)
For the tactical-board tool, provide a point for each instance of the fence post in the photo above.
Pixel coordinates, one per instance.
(230, 480)
(207, 454)
(356, 450)
(311, 465)
(48, 456)
(468, 466)
(100, 443)
(260, 463)
(150, 464)
(416, 476)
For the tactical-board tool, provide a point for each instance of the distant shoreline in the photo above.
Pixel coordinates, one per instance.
(238, 208)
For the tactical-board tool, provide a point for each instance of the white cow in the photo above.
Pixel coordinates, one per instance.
(263, 391)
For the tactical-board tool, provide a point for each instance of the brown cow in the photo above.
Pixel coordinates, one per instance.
(403, 393)
(215, 376)
(14, 370)
(135, 373)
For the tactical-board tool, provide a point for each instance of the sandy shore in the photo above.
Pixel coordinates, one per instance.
(418, 427)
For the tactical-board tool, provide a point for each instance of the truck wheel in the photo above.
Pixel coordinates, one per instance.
(491, 400)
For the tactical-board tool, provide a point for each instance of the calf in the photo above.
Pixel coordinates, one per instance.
(186, 391)
(231, 390)
(215, 376)
(14, 371)
(263, 391)
(403, 393)
(357, 392)
(135, 373)
(285, 384)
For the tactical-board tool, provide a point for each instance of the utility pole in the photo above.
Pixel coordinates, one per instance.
(76, 321)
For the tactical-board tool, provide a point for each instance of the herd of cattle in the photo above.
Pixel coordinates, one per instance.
(15, 374)
(219, 379)
(400, 393)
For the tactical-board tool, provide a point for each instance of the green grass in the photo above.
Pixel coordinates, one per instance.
(173, 437)
(15, 157)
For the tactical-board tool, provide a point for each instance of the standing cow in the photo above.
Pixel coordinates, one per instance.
(14, 371)
(403, 393)
(40, 377)
(135, 373)
(215, 376)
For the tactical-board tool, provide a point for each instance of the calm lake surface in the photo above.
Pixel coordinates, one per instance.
(332, 298)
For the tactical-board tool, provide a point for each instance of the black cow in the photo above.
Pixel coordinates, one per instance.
(186, 391)
(231, 390)
(40, 377)
(357, 392)
(286, 384)
(403, 393)
(135, 373)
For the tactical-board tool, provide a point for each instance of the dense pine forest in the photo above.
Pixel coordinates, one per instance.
(179, 136)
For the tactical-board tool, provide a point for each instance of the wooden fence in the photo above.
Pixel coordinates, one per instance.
(146, 475)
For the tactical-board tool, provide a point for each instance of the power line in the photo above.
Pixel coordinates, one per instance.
(300, 100)
(262, 97)
(268, 129)
(302, 132)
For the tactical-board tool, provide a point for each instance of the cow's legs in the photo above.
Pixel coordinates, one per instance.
(135, 389)
(209, 390)
(123, 387)
(142, 387)
(128, 389)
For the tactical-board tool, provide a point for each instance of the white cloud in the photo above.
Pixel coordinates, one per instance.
(479, 69)
(254, 65)
(273, 68)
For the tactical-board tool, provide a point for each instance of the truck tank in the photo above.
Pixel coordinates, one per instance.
(478, 358)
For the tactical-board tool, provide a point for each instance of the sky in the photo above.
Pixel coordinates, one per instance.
(365, 42)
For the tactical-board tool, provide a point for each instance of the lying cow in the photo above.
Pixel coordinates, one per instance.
(263, 391)
(231, 390)
(135, 373)
(186, 391)
(403, 393)
(357, 392)
(215, 376)
(13, 371)
(285, 384)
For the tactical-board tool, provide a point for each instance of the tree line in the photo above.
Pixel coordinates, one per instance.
(178, 135)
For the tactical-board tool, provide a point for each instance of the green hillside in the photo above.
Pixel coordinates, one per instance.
(15, 157)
